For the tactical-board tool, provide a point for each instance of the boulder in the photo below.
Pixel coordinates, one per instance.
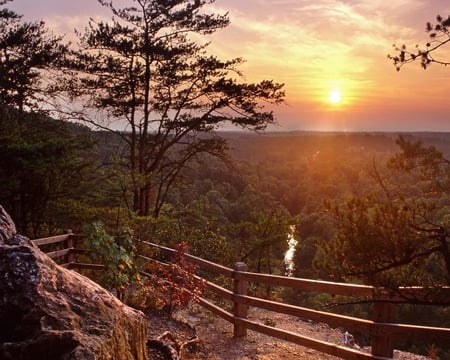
(49, 312)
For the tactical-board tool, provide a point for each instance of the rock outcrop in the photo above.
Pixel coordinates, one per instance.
(49, 312)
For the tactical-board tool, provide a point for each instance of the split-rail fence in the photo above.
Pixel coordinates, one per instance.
(382, 329)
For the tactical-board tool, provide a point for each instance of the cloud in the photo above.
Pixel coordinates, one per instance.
(312, 45)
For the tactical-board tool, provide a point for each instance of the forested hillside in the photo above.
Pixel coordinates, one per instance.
(237, 209)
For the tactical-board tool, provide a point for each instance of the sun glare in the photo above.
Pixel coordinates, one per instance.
(335, 97)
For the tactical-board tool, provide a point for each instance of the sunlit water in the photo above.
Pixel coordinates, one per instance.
(289, 255)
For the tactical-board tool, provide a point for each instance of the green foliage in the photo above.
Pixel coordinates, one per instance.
(116, 254)
(261, 242)
(173, 227)
(46, 169)
(397, 235)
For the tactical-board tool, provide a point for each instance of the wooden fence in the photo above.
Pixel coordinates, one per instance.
(382, 329)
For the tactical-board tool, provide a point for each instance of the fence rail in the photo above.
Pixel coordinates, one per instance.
(382, 329)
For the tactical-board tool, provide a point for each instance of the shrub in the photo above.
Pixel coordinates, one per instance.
(116, 254)
(175, 283)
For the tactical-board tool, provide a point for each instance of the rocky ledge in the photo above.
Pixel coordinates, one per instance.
(49, 312)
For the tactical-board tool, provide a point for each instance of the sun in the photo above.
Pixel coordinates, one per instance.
(335, 96)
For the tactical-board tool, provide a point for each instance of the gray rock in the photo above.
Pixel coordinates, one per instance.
(49, 312)
(7, 227)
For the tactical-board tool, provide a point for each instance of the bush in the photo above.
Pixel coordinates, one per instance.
(116, 254)
(175, 284)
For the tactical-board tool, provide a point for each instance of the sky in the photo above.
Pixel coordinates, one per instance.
(330, 54)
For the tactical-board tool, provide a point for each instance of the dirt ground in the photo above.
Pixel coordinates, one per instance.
(216, 340)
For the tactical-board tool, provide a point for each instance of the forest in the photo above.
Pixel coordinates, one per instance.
(369, 208)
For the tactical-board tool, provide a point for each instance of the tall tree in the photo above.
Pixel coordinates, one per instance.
(46, 171)
(146, 73)
(399, 234)
(42, 161)
(27, 53)
(439, 34)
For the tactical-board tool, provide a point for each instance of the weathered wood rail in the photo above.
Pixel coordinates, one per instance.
(382, 329)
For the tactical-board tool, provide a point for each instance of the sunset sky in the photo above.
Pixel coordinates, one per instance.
(331, 55)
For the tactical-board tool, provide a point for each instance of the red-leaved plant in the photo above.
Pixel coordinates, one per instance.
(175, 284)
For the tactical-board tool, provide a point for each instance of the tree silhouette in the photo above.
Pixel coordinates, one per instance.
(147, 70)
(27, 53)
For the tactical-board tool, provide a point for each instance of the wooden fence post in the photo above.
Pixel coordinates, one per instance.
(69, 245)
(240, 310)
(383, 345)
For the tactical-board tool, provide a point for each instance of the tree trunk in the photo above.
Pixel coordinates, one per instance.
(144, 200)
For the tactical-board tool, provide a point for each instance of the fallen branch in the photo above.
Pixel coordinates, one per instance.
(172, 348)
